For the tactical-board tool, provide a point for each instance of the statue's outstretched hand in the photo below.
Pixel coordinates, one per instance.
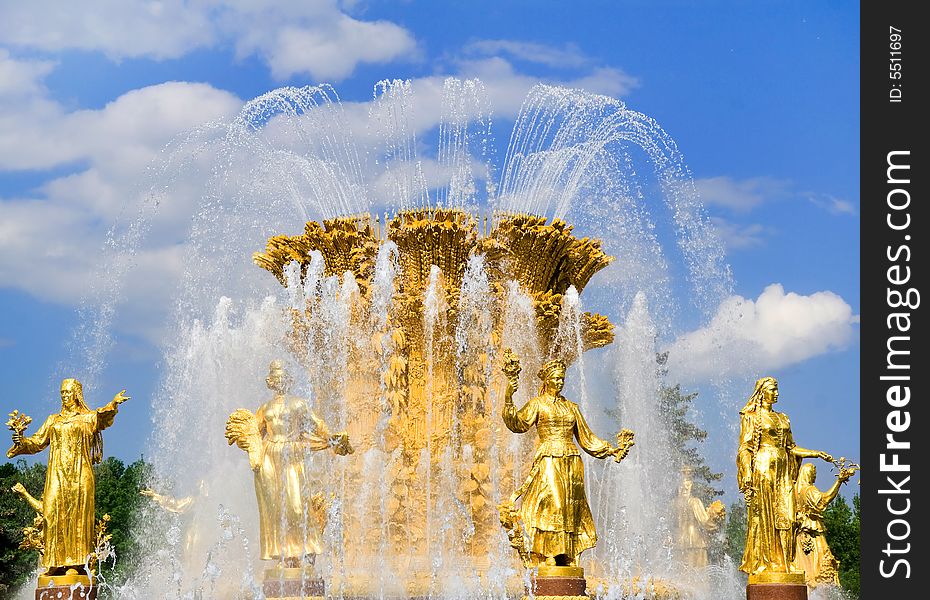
(120, 397)
(624, 443)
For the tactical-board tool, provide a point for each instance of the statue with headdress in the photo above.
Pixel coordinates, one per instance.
(767, 469)
(554, 511)
(812, 553)
(277, 438)
(695, 523)
(65, 530)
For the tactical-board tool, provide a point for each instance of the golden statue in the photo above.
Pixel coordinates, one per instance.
(67, 531)
(185, 507)
(695, 523)
(277, 438)
(554, 509)
(767, 468)
(812, 553)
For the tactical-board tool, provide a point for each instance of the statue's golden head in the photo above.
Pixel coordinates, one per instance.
(278, 379)
(765, 391)
(552, 375)
(807, 475)
(72, 396)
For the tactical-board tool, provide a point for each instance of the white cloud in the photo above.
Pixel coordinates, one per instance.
(51, 238)
(312, 36)
(834, 205)
(739, 195)
(507, 88)
(117, 28)
(741, 237)
(21, 78)
(748, 337)
(568, 56)
(331, 53)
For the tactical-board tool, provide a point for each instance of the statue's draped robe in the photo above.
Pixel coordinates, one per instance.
(765, 459)
(555, 510)
(693, 520)
(288, 528)
(68, 499)
(818, 562)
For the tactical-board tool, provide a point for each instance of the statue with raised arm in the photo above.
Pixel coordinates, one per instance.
(277, 438)
(812, 553)
(767, 470)
(554, 510)
(73, 436)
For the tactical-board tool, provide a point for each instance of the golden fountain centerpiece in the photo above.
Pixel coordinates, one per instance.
(440, 401)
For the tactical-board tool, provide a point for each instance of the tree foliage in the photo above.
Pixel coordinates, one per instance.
(674, 407)
(842, 524)
(117, 494)
(736, 531)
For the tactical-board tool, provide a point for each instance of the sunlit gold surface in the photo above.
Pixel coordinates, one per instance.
(695, 523)
(437, 400)
(64, 580)
(812, 553)
(75, 445)
(776, 577)
(767, 470)
(554, 510)
(559, 571)
(276, 439)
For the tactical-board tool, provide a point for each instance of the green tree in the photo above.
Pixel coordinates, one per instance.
(117, 495)
(842, 524)
(736, 531)
(674, 407)
(16, 565)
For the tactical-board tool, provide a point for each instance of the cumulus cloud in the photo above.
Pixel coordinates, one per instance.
(51, 237)
(313, 37)
(748, 337)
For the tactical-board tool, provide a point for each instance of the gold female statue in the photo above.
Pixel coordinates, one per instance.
(695, 523)
(277, 438)
(767, 468)
(812, 554)
(554, 510)
(67, 505)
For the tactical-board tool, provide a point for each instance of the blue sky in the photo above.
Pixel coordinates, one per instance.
(762, 99)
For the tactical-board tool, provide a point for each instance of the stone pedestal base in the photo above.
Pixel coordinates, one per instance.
(65, 587)
(566, 583)
(293, 583)
(776, 586)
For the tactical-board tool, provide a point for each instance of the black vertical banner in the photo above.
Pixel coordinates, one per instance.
(895, 370)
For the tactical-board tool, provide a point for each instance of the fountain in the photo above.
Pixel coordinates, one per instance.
(411, 277)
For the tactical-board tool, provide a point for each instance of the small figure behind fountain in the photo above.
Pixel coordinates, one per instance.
(554, 509)
(767, 469)
(277, 438)
(812, 554)
(695, 523)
